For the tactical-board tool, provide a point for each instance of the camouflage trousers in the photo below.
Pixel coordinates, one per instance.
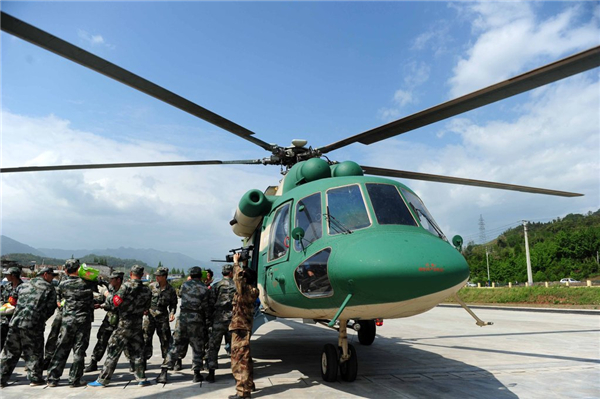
(26, 342)
(160, 324)
(130, 336)
(189, 330)
(52, 339)
(219, 330)
(75, 336)
(104, 333)
(241, 362)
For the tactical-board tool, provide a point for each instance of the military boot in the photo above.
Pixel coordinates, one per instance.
(131, 366)
(93, 366)
(162, 378)
(198, 377)
(178, 366)
(211, 375)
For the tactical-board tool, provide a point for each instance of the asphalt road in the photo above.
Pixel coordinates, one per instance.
(439, 354)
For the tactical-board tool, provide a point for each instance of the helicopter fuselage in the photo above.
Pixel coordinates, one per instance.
(366, 242)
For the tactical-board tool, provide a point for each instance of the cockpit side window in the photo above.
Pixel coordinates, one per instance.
(309, 216)
(346, 210)
(280, 236)
(388, 205)
(312, 277)
(423, 214)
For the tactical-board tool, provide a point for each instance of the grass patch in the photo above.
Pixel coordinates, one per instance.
(578, 296)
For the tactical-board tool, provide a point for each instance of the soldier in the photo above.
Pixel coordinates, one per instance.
(109, 323)
(131, 302)
(241, 328)
(52, 339)
(221, 297)
(189, 328)
(77, 297)
(35, 305)
(162, 311)
(10, 293)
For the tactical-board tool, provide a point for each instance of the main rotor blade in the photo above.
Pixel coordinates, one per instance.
(530, 80)
(40, 38)
(467, 182)
(126, 165)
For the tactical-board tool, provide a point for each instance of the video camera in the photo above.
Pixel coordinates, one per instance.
(243, 251)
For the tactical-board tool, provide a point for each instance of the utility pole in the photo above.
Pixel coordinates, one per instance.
(487, 259)
(529, 274)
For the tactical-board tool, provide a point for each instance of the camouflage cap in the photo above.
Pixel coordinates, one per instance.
(47, 269)
(14, 270)
(137, 270)
(195, 270)
(116, 274)
(72, 265)
(161, 271)
(227, 269)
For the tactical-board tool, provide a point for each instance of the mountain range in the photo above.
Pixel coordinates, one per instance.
(151, 256)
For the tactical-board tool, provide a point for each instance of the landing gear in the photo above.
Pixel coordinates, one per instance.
(366, 333)
(329, 363)
(343, 357)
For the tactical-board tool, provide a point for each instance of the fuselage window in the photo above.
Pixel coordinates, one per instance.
(309, 217)
(346, 210)
(279, 236)
(311, 276)
(423, 214)
(388, 205)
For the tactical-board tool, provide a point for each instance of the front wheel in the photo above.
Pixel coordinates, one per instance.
(329, 363)
(349, 368)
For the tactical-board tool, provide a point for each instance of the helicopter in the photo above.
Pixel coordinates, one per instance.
(335, 243)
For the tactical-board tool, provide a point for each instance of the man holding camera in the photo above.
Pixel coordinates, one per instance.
(241, 328)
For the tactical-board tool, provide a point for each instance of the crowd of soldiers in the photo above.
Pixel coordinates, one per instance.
(134, 313)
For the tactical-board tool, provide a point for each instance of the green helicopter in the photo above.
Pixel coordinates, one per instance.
(335, 243)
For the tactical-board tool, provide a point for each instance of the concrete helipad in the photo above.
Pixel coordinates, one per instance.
(439, 354)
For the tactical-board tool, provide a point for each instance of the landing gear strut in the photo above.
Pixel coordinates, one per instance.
(343, 357)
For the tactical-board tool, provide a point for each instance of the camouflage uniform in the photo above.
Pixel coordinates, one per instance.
(241, 328)
(109, 324)
(77, 315)
(35, 305)
(7, 292)
(157, 319)
(189, 328)
(52, 339)
(221, 306)
(131, 301)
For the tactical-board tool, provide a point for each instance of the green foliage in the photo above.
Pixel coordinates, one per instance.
(560, 295)
(562, 248)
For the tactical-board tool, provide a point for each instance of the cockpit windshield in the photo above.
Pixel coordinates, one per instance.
(423, 214)
(346, 210)
(388, 205)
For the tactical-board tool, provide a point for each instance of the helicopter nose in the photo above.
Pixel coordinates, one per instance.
(396, 266)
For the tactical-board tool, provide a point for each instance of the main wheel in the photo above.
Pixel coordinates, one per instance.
(329, 363)
(349, 368)
(366, 333)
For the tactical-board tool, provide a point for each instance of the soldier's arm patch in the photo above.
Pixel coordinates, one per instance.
(117, 300)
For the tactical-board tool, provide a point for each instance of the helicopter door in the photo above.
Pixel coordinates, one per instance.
(279, 248)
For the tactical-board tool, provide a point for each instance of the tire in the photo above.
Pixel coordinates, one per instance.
(329, 363)
(366, 334)
(349, 369)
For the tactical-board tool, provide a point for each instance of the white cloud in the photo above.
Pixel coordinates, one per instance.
(93, 40)
(511, 39)
(554, 143)
(180, 209)
(415, 75)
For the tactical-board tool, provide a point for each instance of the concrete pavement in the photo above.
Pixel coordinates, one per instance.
(441, 353)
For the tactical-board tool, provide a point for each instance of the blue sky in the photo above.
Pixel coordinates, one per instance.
(319, 71)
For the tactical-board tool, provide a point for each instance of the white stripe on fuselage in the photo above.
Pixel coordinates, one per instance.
(390, 310)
